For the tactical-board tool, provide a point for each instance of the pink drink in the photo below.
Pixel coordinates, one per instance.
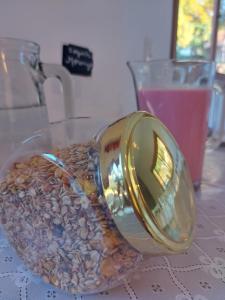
(184, 112)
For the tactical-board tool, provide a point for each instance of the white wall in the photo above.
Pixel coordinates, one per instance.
(113, 29)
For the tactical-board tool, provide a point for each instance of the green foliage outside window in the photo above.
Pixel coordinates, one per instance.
(194, 29)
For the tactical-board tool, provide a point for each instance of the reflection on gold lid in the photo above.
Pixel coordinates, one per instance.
(163, 165)
(146, 184)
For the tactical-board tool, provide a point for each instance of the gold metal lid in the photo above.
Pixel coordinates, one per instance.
(147, 185)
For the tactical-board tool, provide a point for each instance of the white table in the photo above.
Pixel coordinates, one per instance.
(198, 274)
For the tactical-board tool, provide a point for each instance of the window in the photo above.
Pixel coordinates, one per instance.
(199, 31)
(220, 39)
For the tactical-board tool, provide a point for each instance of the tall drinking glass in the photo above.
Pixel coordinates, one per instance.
(179, 93)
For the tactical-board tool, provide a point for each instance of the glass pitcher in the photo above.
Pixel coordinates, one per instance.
(22, 101)
(179, 93)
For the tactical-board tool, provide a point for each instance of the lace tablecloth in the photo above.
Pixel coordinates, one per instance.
(198, 274)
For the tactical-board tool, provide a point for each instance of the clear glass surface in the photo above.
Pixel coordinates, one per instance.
(22, 102)
(69, 200)
(22, 107)
(179, 93)
(63, 230)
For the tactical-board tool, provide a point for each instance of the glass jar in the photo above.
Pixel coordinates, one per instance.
(83, 206)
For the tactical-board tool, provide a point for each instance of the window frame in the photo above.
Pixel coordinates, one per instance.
(213, 36)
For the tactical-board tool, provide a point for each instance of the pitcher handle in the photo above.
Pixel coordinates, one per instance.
(216, 118)
(59, 72)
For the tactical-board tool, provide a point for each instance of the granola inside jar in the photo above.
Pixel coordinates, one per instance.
(71, 207)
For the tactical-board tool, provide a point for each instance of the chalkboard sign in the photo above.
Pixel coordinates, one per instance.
(77, 60)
